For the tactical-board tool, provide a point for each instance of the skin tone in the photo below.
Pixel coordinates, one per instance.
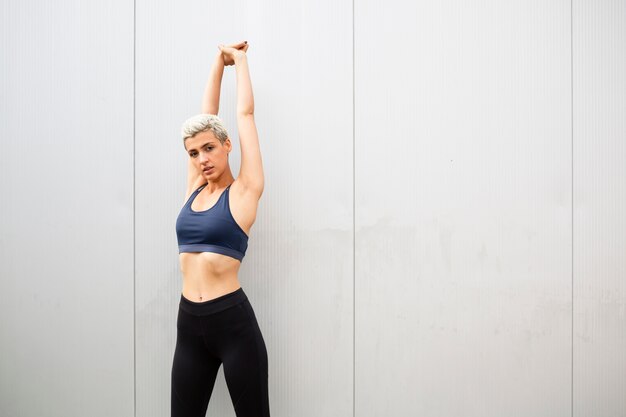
(208, 275)
(205, 151)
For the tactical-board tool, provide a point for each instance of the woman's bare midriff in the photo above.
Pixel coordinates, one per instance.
(208, 275)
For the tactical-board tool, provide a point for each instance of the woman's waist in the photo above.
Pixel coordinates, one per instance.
(208, 275)
(208, 306)
(204, 288)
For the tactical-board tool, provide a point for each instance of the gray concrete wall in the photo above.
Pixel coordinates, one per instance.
(441, 231)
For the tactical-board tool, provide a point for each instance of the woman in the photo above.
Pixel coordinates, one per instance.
(216, 323)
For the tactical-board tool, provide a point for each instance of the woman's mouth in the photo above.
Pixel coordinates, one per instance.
(207, 170)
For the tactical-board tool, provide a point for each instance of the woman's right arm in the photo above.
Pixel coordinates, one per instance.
(194, 179)
(211, 98)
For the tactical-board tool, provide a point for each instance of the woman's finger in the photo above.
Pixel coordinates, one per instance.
(237, 45)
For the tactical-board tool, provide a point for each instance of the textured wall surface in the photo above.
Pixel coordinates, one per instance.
(67, 213)
(440, 234)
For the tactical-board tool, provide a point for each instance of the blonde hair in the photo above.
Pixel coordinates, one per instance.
(204, 122)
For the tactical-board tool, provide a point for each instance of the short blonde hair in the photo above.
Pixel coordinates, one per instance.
(204, 122)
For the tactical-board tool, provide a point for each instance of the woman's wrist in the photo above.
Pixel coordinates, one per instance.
(219, 58)
(239, 55)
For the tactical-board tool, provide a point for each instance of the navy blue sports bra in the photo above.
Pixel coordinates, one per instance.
(211, 230)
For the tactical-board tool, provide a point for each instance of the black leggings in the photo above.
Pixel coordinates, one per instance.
(209, 333)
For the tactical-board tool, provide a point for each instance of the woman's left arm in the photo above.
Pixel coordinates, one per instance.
(211, 97)
(251, 172)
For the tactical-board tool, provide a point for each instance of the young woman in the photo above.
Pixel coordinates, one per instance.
(216, 323)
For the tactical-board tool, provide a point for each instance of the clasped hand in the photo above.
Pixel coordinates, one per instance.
(230, 51)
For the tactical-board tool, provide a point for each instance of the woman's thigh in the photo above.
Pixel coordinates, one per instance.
(194, 370)
(246, 365)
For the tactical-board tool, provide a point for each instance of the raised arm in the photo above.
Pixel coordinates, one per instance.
(211, 98)
(194, 179)
(251, 171)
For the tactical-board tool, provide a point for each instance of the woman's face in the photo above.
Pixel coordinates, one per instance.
(206, 152)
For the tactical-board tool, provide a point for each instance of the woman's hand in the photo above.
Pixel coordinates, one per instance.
(230, 51)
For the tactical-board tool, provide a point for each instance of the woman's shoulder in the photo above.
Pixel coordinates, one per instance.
(193, 187)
